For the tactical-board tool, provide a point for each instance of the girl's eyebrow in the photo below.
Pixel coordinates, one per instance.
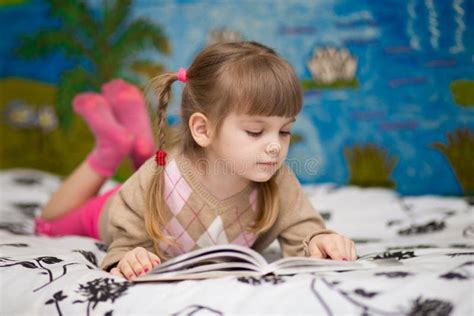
(255, 120)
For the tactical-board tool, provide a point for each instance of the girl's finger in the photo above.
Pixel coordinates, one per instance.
(348, 245)
(135, 265)
(314, 252)
(154, 259)
(341, 246)
(116, 271)
(143, 260)
(332, 250)
(353, 252)
(126, 269)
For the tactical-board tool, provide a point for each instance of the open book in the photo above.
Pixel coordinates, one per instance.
(234, 260)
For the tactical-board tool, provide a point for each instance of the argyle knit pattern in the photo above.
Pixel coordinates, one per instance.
(195, 224)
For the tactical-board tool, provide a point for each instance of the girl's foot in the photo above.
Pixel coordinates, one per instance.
(129, 108)
(113, 142)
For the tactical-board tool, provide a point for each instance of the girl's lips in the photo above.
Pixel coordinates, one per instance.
(267, 163)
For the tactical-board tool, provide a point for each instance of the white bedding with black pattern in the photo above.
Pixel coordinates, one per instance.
(433, 237)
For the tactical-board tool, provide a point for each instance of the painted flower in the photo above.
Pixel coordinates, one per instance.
(20, 115)
(223, 36)
(46, 119)
(329, 65)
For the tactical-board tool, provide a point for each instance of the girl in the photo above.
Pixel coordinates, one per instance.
(225, 183)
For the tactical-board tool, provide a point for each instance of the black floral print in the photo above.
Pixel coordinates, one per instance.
(101, 290)
(102, 247)
(365, 241)
(432, 307)
(454, 275)
(348, 296)
(468, 232)
(399, 255)
(90, 256)
(457, 254)
(15, 228)
(409, 247)
(38, 263)
(378, 292)
(394, 274)
(265, 279)
(433, 226)
(326, 215)
(27, 181)
(461, 246)
(57, 297)
(462, 272)
(393, 222)
(27, 208)
(19, 245)
(197, 310)
(365, 293)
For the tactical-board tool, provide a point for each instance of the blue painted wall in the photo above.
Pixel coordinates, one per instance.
(408, 52)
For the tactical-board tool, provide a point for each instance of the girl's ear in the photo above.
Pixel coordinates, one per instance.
(200, 129)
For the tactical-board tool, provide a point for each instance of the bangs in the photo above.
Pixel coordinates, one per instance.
(262, 85)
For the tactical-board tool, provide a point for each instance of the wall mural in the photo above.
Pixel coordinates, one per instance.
(388, 85)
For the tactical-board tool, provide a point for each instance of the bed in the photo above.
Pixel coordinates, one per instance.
(432, 236)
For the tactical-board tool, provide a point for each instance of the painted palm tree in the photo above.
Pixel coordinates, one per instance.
(103, 44)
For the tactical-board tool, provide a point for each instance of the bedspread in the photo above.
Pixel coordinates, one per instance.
(431, 235)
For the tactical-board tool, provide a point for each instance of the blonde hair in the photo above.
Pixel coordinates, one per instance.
(242, 77)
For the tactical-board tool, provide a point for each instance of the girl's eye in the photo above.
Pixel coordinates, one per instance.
(285, 133)
(254, 134)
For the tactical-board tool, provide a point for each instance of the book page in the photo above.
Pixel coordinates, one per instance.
(204, 271)
(230, 258)
(196, 275)
(208, 260)
(294, 265)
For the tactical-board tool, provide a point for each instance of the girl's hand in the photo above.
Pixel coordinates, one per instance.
(333, 246)
(136, 262)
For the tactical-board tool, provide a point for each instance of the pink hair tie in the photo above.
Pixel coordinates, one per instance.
(182, 74)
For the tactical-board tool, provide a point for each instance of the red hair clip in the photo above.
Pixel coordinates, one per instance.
(160, 157)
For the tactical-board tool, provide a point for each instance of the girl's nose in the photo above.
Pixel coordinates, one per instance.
(273, 149)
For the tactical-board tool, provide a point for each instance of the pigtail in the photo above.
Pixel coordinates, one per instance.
(154, 200)
(268, 205)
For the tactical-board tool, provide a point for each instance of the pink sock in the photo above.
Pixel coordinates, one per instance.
(113, 142)
(129, 108)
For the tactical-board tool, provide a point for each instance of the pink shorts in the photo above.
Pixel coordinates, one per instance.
(83, 221)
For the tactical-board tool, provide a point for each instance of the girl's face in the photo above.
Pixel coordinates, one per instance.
(252, 147)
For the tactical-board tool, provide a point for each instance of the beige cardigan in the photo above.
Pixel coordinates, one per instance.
(122, 225)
